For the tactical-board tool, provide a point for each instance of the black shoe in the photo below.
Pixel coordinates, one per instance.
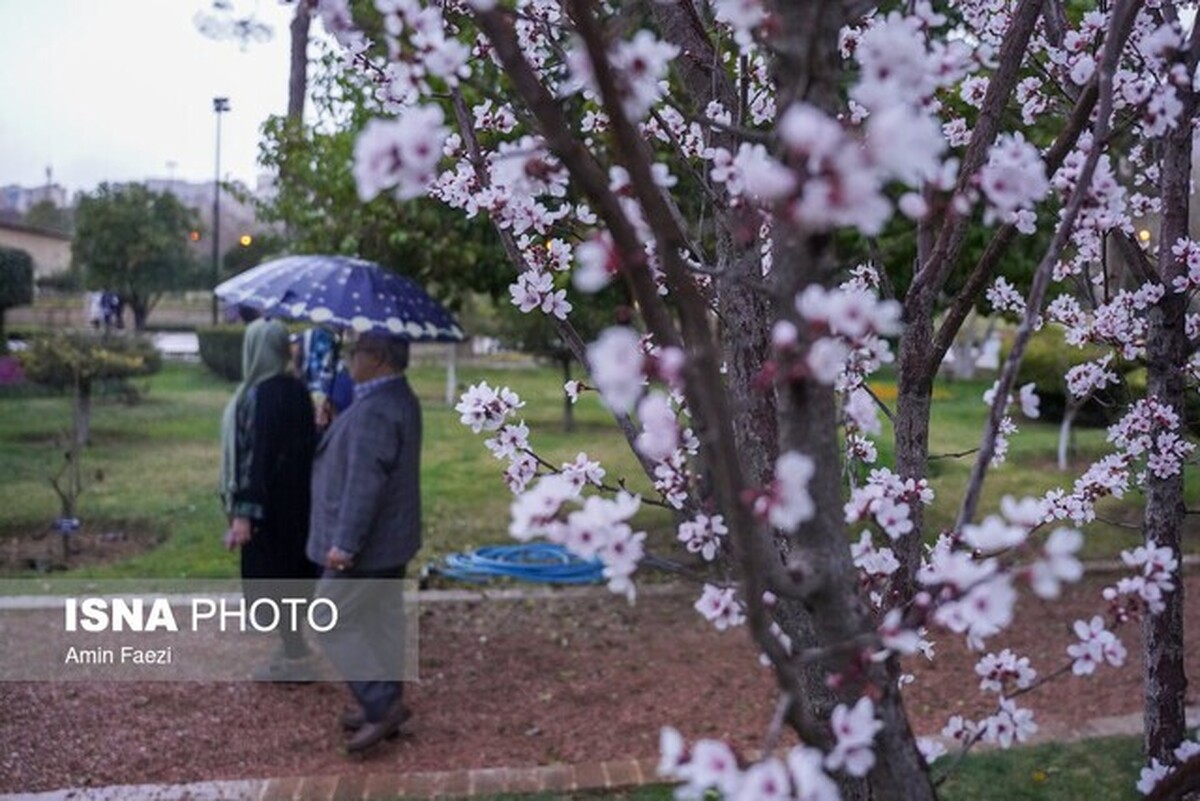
(370, 734)
(353, 718)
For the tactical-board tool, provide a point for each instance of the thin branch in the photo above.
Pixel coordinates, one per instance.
(1122, 22)
(957, 455)
(782, 706)
(878, 402)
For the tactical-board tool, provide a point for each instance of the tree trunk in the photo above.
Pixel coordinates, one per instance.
(1165, 682)
(298, 72)
(141, 311)
(82, 432)
(1064, 434)
(914, 376)
(3, 335)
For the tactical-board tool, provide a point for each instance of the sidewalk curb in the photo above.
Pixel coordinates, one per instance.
(611, 775)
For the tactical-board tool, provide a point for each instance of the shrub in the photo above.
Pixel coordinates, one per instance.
(61, 359)
(221, 349)
(16, 284)
(1047, 359)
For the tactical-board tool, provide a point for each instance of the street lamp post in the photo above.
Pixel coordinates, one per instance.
(220, 104)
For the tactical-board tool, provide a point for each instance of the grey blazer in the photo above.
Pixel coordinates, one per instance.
(366, 491)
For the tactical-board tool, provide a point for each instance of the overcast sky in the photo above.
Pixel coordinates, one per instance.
(118, 90)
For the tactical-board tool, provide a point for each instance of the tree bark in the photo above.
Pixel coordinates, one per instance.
(82, 432)
(1064, 433)
(808, 69)
(1165, 682)
(298, 71)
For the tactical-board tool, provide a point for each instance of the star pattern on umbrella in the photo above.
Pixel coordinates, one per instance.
(343, 292)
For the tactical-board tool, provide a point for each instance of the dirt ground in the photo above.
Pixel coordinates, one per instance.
(42, 550)
(513, 683)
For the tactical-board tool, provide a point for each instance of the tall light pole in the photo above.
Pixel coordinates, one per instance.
(220, 104)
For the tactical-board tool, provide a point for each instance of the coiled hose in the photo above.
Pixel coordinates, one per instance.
(541, 562)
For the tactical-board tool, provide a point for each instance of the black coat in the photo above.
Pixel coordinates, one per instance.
(276, 436)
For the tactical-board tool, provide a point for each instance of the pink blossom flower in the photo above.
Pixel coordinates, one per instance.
(400, 154)
(660, 432)
(855, 729)
(616, 362)
(720, 607)
(1096, 646)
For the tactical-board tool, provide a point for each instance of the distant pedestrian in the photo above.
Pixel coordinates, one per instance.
(93, 303)
(110, 304)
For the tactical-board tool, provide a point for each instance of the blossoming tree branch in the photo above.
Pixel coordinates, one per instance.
(708, 157)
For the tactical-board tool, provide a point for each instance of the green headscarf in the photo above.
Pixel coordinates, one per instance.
(264, 355)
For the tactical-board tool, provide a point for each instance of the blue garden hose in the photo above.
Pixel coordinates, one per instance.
(542, 562)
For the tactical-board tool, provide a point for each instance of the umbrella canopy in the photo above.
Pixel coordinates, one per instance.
(343, 292)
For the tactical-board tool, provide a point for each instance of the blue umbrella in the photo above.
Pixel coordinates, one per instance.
(342, 292)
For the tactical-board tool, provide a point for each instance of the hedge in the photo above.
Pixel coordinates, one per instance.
(221, 349)
(1047, 359)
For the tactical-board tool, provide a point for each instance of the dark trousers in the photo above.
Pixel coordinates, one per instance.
(367, 643)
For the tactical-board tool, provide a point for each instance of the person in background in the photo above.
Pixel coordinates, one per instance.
(94, 307)
(267, 442)
(110, 304)
(366, 523)
(325, 373)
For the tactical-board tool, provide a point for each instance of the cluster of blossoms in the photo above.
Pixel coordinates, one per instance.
(1151, 430)
(703, 534)
(1097, 645)
(1030, 407)
(1149, 433)
(720, 606)
(1155, 576)
(597, 529)
(846, 327)
(971, 589)
(1004, 297)
(803, 773)
(875, 565)
(1105, 212)
(1155, 772)
(1187, 253)
(1085, 379)
(844, 173)
(887, 499)
(1009, 725)
(1120, 323)
(486, 409)
(998, 672)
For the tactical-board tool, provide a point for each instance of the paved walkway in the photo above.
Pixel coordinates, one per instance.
(559, 778)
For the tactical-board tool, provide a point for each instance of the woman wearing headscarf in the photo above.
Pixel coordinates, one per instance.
(267, 442)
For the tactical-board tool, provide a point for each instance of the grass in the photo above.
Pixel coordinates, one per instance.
(159, 457)
(1104, 769)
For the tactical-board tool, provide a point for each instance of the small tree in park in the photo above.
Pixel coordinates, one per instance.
(135, 242)
(713, 158)
(16, 285)
(75, 361)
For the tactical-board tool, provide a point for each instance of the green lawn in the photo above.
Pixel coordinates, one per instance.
(159, 459)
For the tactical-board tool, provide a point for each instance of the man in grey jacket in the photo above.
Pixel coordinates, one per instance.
(365, 528)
